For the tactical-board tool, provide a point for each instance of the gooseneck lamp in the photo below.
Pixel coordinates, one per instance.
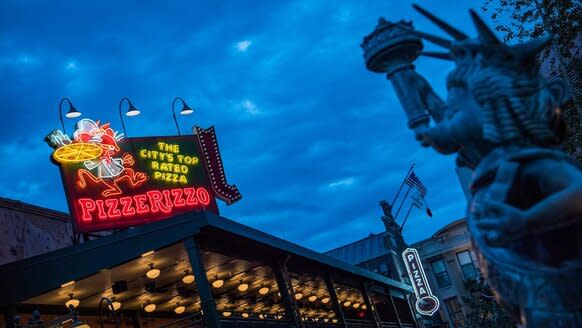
(186, 110)
(131, 111)
(72, 113)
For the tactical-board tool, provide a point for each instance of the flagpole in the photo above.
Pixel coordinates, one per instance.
(406, 217)
(402, 184)
(402, 203)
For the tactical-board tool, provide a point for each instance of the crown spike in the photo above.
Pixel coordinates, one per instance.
(530, 48)
(439, 55)
(485, 33)
(458, 35)
(434, 39)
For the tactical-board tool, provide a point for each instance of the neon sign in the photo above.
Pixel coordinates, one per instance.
(426, 302)
(114, 182)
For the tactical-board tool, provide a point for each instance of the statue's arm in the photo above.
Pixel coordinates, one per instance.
(563, 205)
(562, 182)
(431, 100)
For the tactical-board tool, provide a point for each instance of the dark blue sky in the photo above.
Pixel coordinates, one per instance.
(311, 138)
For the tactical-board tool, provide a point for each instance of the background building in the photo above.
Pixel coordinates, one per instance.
(449, 261)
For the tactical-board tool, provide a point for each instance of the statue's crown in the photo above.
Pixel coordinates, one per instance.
(486, 43)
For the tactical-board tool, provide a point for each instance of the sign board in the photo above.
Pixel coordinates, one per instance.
(426, 302)
(112, 182)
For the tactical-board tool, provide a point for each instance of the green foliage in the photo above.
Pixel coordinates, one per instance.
(521, 20)
(484, 310)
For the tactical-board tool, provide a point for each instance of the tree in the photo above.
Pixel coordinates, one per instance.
(520, 20)
(484, 310)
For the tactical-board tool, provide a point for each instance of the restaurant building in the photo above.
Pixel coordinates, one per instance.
(196, 270)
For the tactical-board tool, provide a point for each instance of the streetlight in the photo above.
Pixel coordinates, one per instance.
(131, 111)
(186, 110)
(72, 113)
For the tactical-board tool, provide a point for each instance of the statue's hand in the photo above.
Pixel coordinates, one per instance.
(499, 222)
(421, 133)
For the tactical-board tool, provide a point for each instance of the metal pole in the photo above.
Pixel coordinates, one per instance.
(61, 113)
(402, 203)
(406, 217)
(174, 112)
(286, 290)
(206, 297)
(370, 305)
(402, 184)
(121, 116)
(334, 300)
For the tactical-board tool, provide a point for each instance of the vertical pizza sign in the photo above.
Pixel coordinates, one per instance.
(114, 182)
(426, 302)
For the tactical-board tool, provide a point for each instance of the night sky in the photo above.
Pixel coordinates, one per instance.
(310, 137)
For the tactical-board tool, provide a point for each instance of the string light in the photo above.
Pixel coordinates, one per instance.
(243, 286)
(226, 313)
(151, 307)
(298, 296)
(347, 303)
(188, 278)
(356, 305)
(312, 298)
(217, 283)
(325, 300)
(264, 290)
(153, 273)
(245, 315)
(179, 309)
(364, 306)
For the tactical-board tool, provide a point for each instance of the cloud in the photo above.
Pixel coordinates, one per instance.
(342, 183)
(243, 46)
(249, 107)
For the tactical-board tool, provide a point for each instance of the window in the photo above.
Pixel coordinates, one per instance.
(455, 312)
(440, 273)
(467, 266)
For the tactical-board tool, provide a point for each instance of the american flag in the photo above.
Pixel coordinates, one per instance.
(413, 181)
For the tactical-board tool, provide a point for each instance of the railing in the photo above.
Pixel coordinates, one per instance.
(351, 323)
(192, 320)
(389, 325)
(252, 323)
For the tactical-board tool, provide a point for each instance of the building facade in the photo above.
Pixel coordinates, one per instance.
(195, 270)
(449, 261)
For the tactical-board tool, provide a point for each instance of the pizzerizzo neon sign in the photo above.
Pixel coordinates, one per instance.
(113, 182)
(426, 302)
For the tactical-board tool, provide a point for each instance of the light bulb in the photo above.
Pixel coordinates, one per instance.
(188, 279)
(334, 320)
(217, 283)
(263, 290)
(153, 273)
(298, 296)
(116, 305)
(226, 313)
(243, 287)
(150, 307)
(364, 306)
(262, 316)
(245, 315)
(347, 303)
(312, 298)
(325, 300)
(356, 305)
(180, 309)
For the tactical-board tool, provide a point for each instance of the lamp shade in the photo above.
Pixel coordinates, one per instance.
(132, 111)
(73, 112)
(186, 110)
